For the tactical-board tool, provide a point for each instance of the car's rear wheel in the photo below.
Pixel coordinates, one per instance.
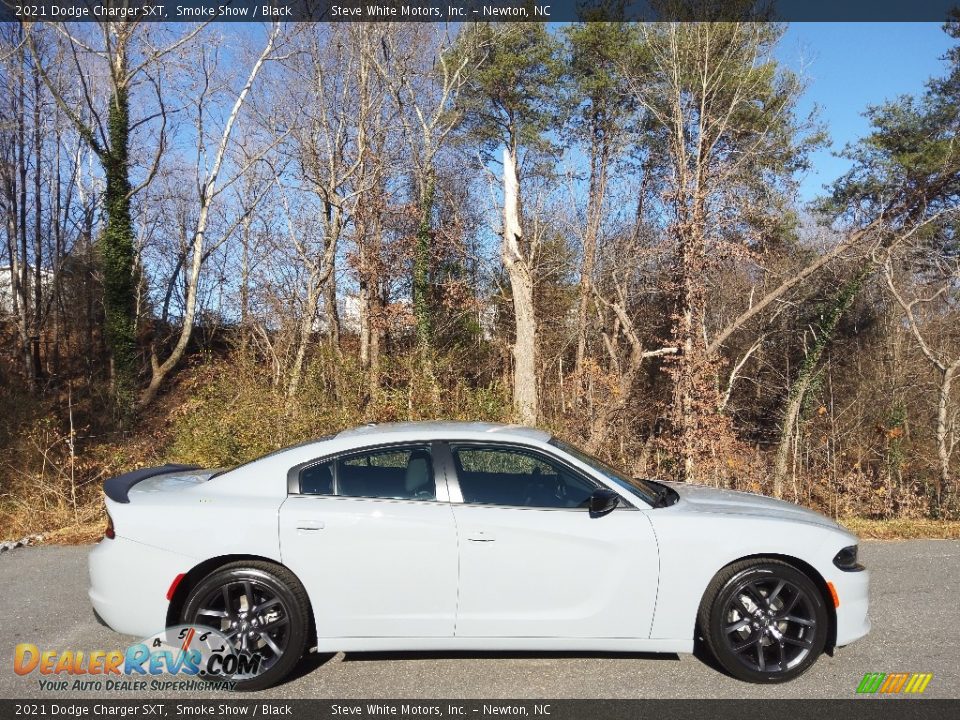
(764, 621)
(259, 607)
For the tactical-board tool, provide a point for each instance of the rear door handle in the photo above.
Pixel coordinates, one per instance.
(309, 526)
(481, 537)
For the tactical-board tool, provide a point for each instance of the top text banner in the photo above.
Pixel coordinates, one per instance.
(473, 10)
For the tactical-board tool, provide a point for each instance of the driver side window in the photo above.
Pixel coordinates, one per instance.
(518, 477)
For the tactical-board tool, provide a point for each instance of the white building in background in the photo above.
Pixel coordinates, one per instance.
(487, 317)
(348, 312)
(6, 288)
(349, 309)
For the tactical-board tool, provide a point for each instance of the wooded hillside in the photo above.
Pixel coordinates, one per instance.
(223, 239)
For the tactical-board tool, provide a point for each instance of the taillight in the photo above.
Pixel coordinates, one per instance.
(109, 532)
(174, 584)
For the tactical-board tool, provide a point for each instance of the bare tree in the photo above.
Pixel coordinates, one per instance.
(929, 304)
(627, 371)
(425, 77)
(518, 261)
(319, 269)
(330, 143)
(207, 191)
(127, 51)
(601, 124)
(13, 176)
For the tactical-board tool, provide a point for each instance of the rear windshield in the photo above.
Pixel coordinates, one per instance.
(224, 471)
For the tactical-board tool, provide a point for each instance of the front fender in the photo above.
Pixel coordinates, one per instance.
(694, 547)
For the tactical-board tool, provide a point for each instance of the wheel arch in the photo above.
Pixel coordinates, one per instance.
(210, 565)
(802, 566)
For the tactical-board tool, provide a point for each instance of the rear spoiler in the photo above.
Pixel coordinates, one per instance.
(117, 488)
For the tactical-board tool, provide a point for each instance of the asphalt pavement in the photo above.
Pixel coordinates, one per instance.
(914, 609)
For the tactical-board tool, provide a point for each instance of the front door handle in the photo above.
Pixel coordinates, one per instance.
(481, 537)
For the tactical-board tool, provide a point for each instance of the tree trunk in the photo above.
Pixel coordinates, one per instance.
(24, 280)
(369, 300)
(944, 434)
(808, 371)
(245, 236)
(333, 229)
(16, 289)
(363, 303)
(421, 264)
(597, 191)
(12, 223)
(787, 429)
(37, 234)
(116, 248)
(333, 313)
(691, 382)
(525, 391)
(56, 212)
(305, 333)
(376, 333)
(86, 238)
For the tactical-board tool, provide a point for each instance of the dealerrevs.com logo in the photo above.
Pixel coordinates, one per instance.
(183, 657)
(894, 683)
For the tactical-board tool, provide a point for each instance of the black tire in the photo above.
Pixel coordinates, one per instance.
(764, 621)
(288, 612)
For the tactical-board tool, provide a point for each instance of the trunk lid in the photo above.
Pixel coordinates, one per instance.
(153, 480)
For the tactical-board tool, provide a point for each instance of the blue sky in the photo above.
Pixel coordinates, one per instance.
(849, 66)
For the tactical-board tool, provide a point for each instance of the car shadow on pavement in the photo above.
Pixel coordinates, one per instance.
(308, 663)
(703, 654)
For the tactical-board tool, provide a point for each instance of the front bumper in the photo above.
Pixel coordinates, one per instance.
(129, 583)
(853, 620)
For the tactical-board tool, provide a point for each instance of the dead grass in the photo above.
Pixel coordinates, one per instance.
(905, 529)
(81, 534)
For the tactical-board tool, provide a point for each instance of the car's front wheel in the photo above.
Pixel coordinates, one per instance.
(764, 621)
(260, 608)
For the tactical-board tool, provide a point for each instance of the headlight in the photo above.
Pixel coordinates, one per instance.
(846, 559)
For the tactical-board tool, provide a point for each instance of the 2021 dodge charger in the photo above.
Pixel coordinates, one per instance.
(471, 536)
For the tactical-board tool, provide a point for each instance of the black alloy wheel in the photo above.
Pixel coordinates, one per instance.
(764, 621)
(261, 609)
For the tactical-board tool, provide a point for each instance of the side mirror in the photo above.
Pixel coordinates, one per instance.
(602, 502)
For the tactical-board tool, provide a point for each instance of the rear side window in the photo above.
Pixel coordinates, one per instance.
(317, 480)
(516, 477)
(397, 473)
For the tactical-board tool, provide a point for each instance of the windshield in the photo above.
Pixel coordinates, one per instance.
(646, 489)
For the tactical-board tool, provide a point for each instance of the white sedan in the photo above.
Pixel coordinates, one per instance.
(471, 536)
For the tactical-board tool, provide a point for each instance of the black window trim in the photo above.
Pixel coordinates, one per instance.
(445, 458)
(294, 473)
